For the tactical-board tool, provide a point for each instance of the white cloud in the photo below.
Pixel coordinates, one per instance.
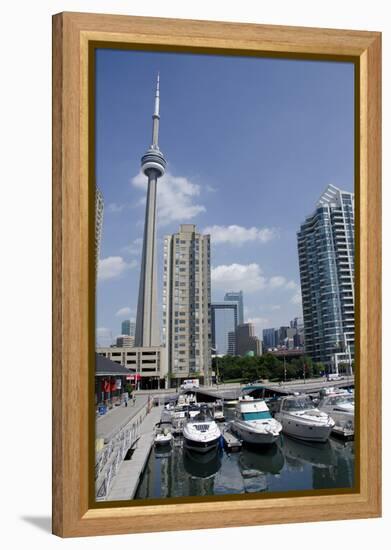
(248, 278)
(296, 298)
(134, 248)
(114, 207)
(291, 285)
(236, 234)
(175, 197)
(278, 281)
(125, 312)
(210, 189)
(113, 267)
(259, 324)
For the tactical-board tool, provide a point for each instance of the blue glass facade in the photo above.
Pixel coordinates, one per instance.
(326, 261)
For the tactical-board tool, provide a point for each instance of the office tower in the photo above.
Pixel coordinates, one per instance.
(128, 327)
(153, 165)
(326, 261)
(99, 208)
(186, 305)
(224, 320)
(232, 343)
(233, 296)
(246, 341)
(125, 341)
(282, 335)
(269, 338)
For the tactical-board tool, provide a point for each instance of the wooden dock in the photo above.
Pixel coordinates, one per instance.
(231, 442)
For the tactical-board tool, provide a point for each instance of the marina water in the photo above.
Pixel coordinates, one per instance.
(288, 465)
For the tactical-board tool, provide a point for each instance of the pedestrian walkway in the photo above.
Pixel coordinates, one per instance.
(113, 421)
(126, 481)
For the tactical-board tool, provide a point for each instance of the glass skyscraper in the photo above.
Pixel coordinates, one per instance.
(224, 317)
(233, 296)
(326, 261)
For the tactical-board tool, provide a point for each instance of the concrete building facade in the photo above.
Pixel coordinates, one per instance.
(186, 305)
(125, 341)
(146, 362)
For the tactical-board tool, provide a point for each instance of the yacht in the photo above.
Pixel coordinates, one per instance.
(301, 419)
(163, 435)
(218, 411)
(181, 414)
(253, 422)
(201, 433)
(339, 404)
(178, 418)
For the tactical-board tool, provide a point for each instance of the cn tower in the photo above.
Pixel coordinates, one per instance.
(153, 165)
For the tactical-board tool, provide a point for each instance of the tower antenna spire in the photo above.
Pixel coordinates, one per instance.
(156, 115)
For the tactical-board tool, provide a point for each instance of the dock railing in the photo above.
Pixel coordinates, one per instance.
(108, 459)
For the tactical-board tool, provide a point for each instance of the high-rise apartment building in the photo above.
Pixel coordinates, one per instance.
(186, 305)
(246, 341)
(233, 296)
(128, 327)
(326, 261)
(99, 209)
(224, 320)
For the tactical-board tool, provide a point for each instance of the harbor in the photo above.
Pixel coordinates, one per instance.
(193, 443)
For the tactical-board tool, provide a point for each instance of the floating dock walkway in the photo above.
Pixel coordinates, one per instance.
(127, 479)
(231, 442)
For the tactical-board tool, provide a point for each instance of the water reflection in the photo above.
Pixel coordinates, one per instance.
(201, 464)
(298, 453)
(290, 465)
(264, 459)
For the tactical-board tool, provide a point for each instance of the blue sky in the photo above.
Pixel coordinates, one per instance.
(251, 143)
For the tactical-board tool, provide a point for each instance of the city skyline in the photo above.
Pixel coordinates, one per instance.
(253, 244)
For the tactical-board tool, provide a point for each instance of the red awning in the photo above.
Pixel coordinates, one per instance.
(134, 377)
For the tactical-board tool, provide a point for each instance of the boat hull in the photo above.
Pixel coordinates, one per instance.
(252, 436)
(305, 430)
(200, 446)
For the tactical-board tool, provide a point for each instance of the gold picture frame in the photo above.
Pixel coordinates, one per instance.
(74, 37)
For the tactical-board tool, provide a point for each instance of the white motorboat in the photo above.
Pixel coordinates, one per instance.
(218, 411)
(301, 419)
(163, 435)
(339, 404)
(179, 418)
(253, 422)
(201, 433)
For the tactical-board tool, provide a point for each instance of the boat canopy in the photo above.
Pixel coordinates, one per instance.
(256, 415)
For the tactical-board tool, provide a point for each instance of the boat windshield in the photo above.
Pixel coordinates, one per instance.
(298, 404)
(337, 399)
(257, 415)
(202, 416)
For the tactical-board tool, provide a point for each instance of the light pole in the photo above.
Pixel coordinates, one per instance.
(284, 368)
